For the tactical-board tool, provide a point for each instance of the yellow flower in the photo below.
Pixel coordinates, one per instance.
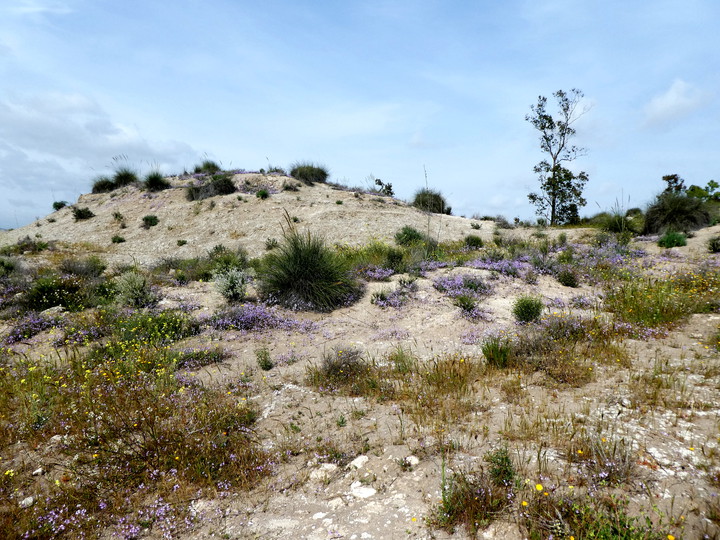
(524, 503)
(539, 487)
(671, 537)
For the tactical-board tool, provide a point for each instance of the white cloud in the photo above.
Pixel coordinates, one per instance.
(35, 7)
(678, 101)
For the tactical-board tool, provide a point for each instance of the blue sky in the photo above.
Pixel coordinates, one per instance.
(388, 88)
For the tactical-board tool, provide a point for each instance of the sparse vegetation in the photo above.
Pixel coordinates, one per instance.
(309, 173)
(430, 200)
(81, 213)
(150, 221)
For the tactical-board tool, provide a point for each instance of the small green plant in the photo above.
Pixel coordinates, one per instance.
(117, 239)
(338, 201)
(309, 173)
(430, 200)
(231, 283)
(672, 239)
(262, 194)
(475, 226)
(149, 221)
(154, 181)
(117, 216)
(343, 370)
(473, 241)
(263, 359)
(408, 236)
(271, 243)
(502, 471)
(58, 205)
(181, 243)
(568, 278)
(497, 351)
(527, 309)
(714, 244)
(81, 213)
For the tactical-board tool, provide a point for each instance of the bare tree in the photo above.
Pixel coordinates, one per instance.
(560, 194)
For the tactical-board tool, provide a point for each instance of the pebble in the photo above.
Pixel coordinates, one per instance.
(27, 502)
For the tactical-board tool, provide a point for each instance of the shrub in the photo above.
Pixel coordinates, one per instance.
(103, 184)
(149, 221)
(208, 167)
(672, 239)
(497, 350)
(155, 181)
(343, 369)
(80, 213)
(231, 283)
(222, 184)
(7, 266)
(52, 290)
(677, 212)
(527, 309)
(568, 278)
(58, 205)
(133, 290)
(117, 239)
(181, 243)
(473, 241)
(264, 360)
(309, 173)
(303, 273)
(90, 267)
(262, 194)
(223, 258)
(408, 236)
(271, 243)
(124, 176)
(714, 244)
(430, 200)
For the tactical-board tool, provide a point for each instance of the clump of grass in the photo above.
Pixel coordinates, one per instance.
(309, 173)
(527, 309)
(155, 181)
(344, 370)
(676, 212)
(208, 166)
(408, 236)
(497, 350)
(430, 200)
(604, 462)
(304, 274)
(650, 302)
(150, 221)
(262, 194)
(117, 239)
(23, 245)
(81, 213)
(271, 243)
(103, 184)
(124, 176)
(672, 239)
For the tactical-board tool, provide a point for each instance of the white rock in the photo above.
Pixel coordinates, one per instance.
(322, 474)
(336, 503)
(412, 461)
(360, 491)
(359, 462)
(27, 502)
(38, 472)
(319, 515)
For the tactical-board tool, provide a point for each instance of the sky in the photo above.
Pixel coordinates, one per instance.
(415, 92)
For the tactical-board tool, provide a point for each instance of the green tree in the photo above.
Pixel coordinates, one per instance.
(560, 195)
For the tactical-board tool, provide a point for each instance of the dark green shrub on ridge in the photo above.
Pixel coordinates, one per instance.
(124, 176)
(675, 212)
(80, 213)
(58, 205)
(309, 173)
(103, 184)
(154, 181)
(473, 241)
(430, 200)
(568, 278)
(149, 221)
(408, 236)
(208, 167)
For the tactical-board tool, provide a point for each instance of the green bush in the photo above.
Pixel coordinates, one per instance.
(262, 194)
(309, 173)
(51, 290)
(675, 212)
(7, 266)
(568, 278)
(527, 308)
(155, 181)
(208, 167)
(149, 221)
(117, 239)
(672, 239)
(124, 176)
(103, 184)
(80, 213)
(408, 236)
(58, 205)
(219, 184)
(714, 244)
(473, 241)
(496, 351)
(303, 273)
(133, 290)
(430, 200)
(231, 283)
(90, 267)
